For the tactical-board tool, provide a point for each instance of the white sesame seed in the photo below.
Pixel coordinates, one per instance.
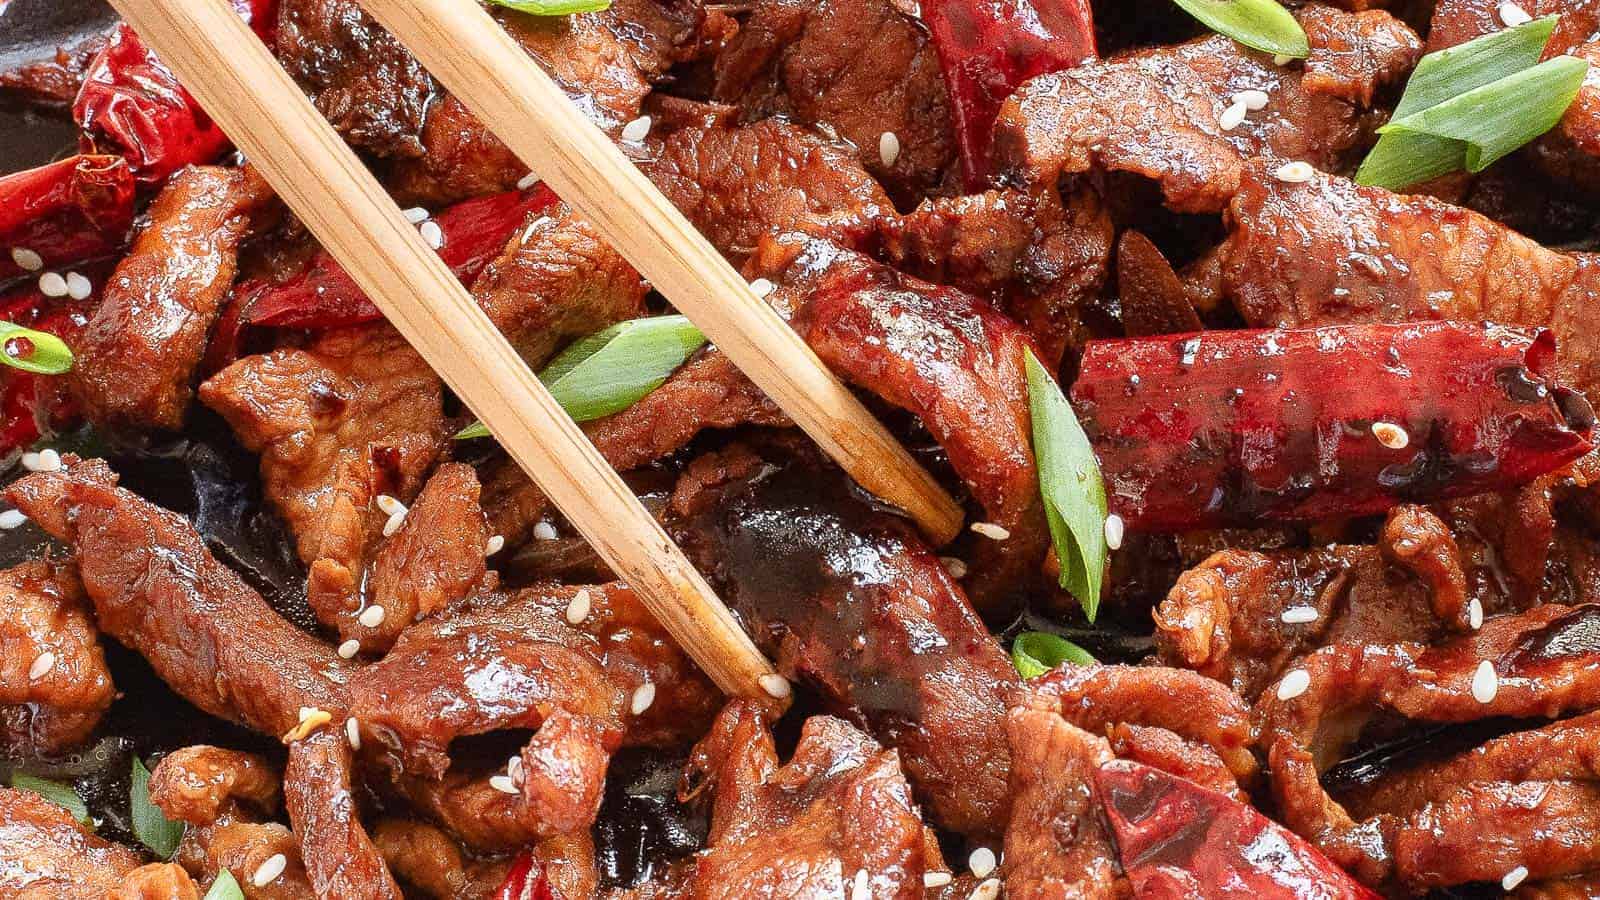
(1485, 683)
(26, 259)
(1294, 684)
(30, 461)
(416, 215)
(78, 287)
(981, 862)
(503, 784)
(1232, 117)
(762, 287)
(1296, 172)
(637, 130)
(527, 181)
(1514, 15)
(1282, 59)
(643, 696)
(42, 664)
(955, 567)
(1114, 530)
(49, 460)
(991, 530)
(432, 234)
(352, 732)
(1299, 615)
(578, 609)
(987, 891)
(349, 649)
(1515, 876)
(268, 872)
(1391, 435)
(1475, 614)
(394, 523)
(544, 531)
(389, 505)
(12, 518)
(1252, 99)
(936, 879)
(775, 685)
(52, 284)
(514, 768)
(372, 616)
(863, 886)
(888, 147)
(494, 544)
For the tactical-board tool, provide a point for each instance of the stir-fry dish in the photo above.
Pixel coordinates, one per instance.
(1254, 338)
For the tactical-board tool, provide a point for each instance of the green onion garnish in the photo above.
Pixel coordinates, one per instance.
(150, 825)
(1037, 652)
(62, 795)
(1073, 490)
(1467, 106)
(224, 888)
(1258, 24)
(553, 7)
(33, 351)
(611, 370)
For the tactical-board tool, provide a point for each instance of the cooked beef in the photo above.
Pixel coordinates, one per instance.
(54, 683)
(1155, 113)
(1458, 21)
(862, 68)
(429, 861)
(848, 599)
(242, 847)
(1570, 153)
(202, 784)
(48, 856)
(363, 81)
(341, 860)
(838, 815)
(156, 881)
(52, 79)
(136, 357)
(158, 590)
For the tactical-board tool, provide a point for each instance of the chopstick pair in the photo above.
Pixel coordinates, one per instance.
(237, 81)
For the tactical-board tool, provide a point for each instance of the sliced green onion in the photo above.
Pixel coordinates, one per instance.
(611, 370)
(224, 888)
(1467, 106)
(1258, 24)
(1073, 489)
(62, 795)
(553, 7)
(150, 825)
(33, 351)
(1037, 652)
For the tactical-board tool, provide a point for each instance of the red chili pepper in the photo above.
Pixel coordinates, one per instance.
(67, 211)
(989, 47)
(1181, 841)
(1228, 427)
(132, 104)
(31, 405)
(526, 881)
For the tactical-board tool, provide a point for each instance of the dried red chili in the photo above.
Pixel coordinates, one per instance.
(33, 406)
(526, 881)
(989, 47)
(66, 212)
(1228, 427)
(1180, 841)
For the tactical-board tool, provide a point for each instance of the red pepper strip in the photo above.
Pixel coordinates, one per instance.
(1181, 841)
(526, 881)
(31, 405)
(67, 211)
(131, 104)
(987, 48)
(1229, 427)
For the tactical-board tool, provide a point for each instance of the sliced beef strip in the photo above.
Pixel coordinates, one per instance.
(862, 68)
(1458, 21)
(201, 784)
(47, 855)
(340, 858)
(241, 847)
(136, 357)
(52, 80)
(848, 599)
(1570, 152)
(156, 881)
(45, 622)
(796, 830)
(429, 861)
(1154, 113)
(157, 589)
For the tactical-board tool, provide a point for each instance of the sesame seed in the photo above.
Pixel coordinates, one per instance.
(1515, 876)
(1299, 615)
(527, 181)
(503, 784)
(1114, 530)
(30, 461)
(1513, 15)
(544, 531)
(863, 886)
(26, 259)
(637, 130)
(936, 879)
(12, 518)
(389, 505)
(1475, 614)
(394, 523)
(1232, 117)
(416, 215)
(1294, 684)
(762, 287)
(268, 872)
(1391, 435)
(78, 287)
(352, 732)
(775, 685)
(888, 147)
(987, 891)
(432, 234)
(1485, 683)
(1296, 172)
(372, 616)
(42, 664)
(955, 567)
(49, 460)
(514, 768)
(981, 862)
(1282, 59)
(643, 696)
(991, 530)
(578, 609)
(1252, 100)
(494, 545)
(52, 285)
(349, 649)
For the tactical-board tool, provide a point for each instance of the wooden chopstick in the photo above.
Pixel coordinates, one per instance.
(239, 83)
(472, 56)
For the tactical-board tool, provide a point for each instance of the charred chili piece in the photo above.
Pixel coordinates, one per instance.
(525, 881)
(1179, 840)
(989, 47)
(1224, 427)
(67, 212)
